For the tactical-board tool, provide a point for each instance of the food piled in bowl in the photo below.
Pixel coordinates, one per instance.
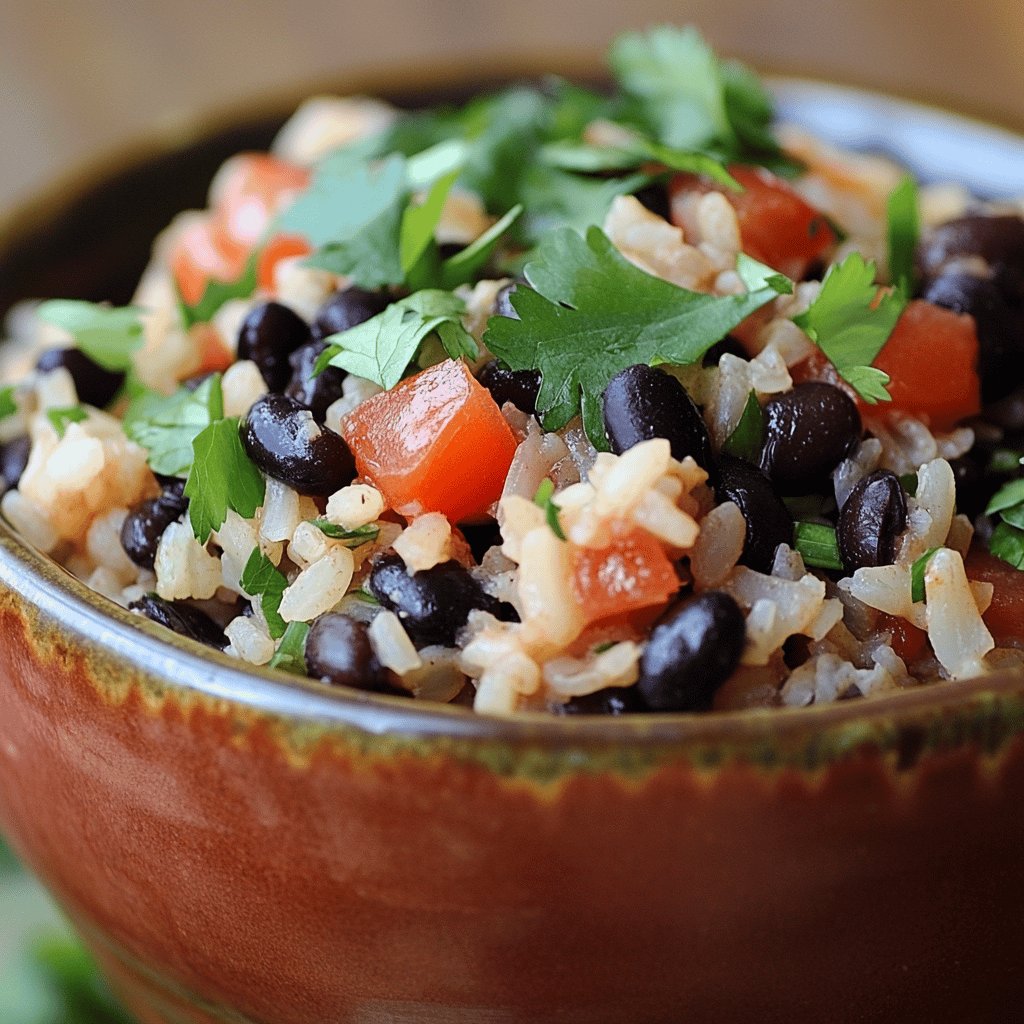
(587, 402)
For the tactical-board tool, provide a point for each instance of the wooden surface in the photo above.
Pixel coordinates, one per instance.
(80, 76)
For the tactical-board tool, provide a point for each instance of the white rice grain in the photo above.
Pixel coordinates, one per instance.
(723, 532)
(392, 645)
(425, 542)
(355, 506)
(241, 385)
(319, 587)
(184, 568)
(956, 631)
(248, 641)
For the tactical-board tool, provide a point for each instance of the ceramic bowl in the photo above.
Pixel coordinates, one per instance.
(255, 849)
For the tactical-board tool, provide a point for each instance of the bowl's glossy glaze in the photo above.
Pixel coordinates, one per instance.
(257, 849)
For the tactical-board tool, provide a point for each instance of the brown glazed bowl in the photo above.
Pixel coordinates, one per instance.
(255, 849)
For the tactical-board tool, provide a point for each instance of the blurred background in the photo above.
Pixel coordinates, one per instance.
(78, 77)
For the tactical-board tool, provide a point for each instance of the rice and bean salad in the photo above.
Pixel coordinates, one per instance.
(587, 402)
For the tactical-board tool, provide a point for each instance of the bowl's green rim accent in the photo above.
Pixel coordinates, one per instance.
(984, 712)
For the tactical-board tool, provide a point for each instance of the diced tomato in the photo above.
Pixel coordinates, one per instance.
(197, 258)
(932, 358)
(214, 355)
(631, 573)
(279, 248)
(254, 187)
(907, 640)
(1005, 615)
(436, 442)
(777, 226)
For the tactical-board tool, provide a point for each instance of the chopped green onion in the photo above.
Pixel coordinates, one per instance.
(543, 499)
(917, 571)
(818, 545)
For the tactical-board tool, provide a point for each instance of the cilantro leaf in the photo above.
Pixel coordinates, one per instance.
(553, 199)
(589, 159)
(543, 499)
(817, 545)
(353, 218)
(590, 313)
(1008, 501)
(1007, 543)
(917, 571)
(290, 655)
(108, 335)
(903, 225)
(8, 406)
(381, 348)
(62, 416)
(262, 579)
(221, 477)
(465, 265)
(416, 246)
(351, 538)
(166, 425)
(850, 321)
(748, 435)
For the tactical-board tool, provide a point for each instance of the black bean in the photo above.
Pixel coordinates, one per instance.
(13, 460)
(807, 432)
(94, 385)
(728, 345)
(870, 522)
(520, 387)
(315, 391)
(614, 700)
(146, 522)
(347, 308)
(693, 648)
(1000, 330)
(182, 618)
(268, 336)
(503, 301)
(433, 604)
(280, 438)
(654, 197)
(997, 240)
(338, 651)
(642, 402)
(769, 522)
(481, 537)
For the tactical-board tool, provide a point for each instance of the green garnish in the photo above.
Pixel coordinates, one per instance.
(351, 538)
(166, 425)
(382, 348)
(850, 321)
(61, 416)
(543, 499)
(1007, 543)
(290, 655)
(909, 482)
(590, 313)
(817, 544)
(1004, 461)
(903, 225)
(691, 100)
(262, 579)
(108, 335)
(917, 571)
(221, 477)
(746, 439)
(1008, 501)
(8, 406)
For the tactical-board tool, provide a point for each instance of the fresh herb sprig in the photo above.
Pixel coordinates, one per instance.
(108, 335)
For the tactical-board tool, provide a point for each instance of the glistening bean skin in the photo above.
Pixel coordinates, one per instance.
(998, 241)
(338, 651)
(769, 522)
(642, 402)
(181, 618)
(345, 309)
(316, 391)
(280, 438)
(807, 433)
(433, 604)
(146, 522)
(13, 460)
(520, 387)
(268, 336)
(694, 647)
(873, 517)
(94, 385)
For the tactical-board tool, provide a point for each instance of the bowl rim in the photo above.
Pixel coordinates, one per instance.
(176, 663)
